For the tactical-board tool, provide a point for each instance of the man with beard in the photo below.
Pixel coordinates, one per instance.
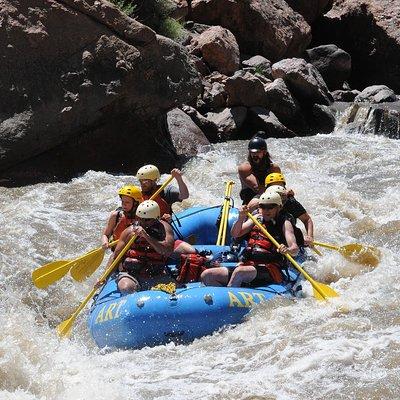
(252, 173)
(148, 176)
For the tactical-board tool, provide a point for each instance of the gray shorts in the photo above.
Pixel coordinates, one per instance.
(145, 283)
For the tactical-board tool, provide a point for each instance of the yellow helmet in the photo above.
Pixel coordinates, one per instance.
(269, 197)
(131, 191)
(148, 209)
(148, 172)
(275, 177)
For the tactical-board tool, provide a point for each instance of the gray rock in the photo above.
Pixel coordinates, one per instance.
(376, 94)
(334, 64)
(228, 120)
(244, 89)
(258, 64)
(186, 136)
(303, 80)
(263, 119)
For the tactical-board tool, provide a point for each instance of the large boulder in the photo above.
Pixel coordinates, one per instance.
(303, 80)
(229, 121)
(268, 28)
(262, 119)
(369, 30)
(218, 48)
(280, 101)
(376, 94)
(79, 78)
(186, 136)
(334, 64)
(244, 89)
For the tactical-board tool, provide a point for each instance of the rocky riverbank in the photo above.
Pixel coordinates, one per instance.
(86, 87)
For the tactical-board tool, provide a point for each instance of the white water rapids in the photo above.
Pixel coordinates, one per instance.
(348, 348)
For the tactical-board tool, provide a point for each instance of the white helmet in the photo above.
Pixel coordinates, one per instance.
(148, 172)
(148, 209)
(269, 197)
(277, 189)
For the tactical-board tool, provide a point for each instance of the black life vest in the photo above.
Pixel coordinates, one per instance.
(141, 259)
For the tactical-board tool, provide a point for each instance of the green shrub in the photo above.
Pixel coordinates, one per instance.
(126, 6)
(259, 70)
(171, 28)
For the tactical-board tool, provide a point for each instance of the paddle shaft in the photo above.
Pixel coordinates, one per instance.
(221, 223)
(228, 206)
(288, 256)
(66, 325)
(328, 246)
(225, 215)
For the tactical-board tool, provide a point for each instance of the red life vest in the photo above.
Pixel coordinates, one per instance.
(262, 253)
(148, 263)
(190, 268)
(122, 223)
(165, 208)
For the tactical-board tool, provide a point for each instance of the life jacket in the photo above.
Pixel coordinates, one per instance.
(190, 267)
(165, 208)
(122, 222)
(141, 259)
(261, 252)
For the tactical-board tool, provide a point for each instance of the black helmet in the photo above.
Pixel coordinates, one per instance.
(257, 144)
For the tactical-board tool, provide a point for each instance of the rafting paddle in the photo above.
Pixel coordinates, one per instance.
(81, 267)
(321, 291)
(356, 252)
(52, 272)
(64, 328)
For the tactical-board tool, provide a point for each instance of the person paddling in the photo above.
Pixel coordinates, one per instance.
(144, 264)
(262, 262)
(123, 216)
(148, 176)
(252, 172)
(276, 181)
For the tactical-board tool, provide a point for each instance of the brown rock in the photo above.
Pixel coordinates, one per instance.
(228, 120)
(219, 49)
(268, 28)
(369, 30)
(87, 75)
(303, 80)
(244, 89)
(263, 119)
(186, 136)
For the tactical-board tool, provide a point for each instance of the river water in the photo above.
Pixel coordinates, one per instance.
(348, 348)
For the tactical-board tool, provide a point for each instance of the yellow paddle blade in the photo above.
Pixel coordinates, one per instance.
(50, 273)
(85, 266)
(366, 255)
(64, 329)
(322, 292)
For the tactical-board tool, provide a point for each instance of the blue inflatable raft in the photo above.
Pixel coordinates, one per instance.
(155, 317)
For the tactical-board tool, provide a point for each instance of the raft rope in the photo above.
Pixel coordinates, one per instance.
(165, 287)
